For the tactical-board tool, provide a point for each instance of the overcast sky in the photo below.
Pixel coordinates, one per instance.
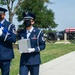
(64, 13)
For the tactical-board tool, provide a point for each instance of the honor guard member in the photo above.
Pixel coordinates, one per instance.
(7, 37)
(30, 60)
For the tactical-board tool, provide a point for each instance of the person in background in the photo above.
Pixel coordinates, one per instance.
(7, 38)
(30, 60)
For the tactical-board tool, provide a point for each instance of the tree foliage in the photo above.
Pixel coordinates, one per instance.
(11, 6)
(44, 16)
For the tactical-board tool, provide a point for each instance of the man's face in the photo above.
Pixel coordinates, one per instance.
(2, 16)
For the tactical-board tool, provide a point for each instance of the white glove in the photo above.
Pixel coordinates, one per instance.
(30, 50)
(1, 32)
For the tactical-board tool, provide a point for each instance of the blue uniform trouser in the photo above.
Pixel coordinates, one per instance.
(34, 69)
(5, 67)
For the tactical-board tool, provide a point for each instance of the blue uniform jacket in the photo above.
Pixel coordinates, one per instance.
(37, 43)
(6, 47)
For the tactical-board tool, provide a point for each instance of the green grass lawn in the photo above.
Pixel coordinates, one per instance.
(51, 52)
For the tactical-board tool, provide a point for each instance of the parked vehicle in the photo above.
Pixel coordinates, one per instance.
(52, 37)
(60, 35)
(70, 34)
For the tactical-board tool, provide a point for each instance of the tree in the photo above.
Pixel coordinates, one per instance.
(45, 17)
(11, 6)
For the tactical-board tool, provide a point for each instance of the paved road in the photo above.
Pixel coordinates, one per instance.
(64, 65)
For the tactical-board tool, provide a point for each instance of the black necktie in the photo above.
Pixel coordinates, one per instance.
(28, 34)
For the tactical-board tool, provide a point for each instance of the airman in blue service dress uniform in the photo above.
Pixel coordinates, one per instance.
(30, 60)
(7, 37)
